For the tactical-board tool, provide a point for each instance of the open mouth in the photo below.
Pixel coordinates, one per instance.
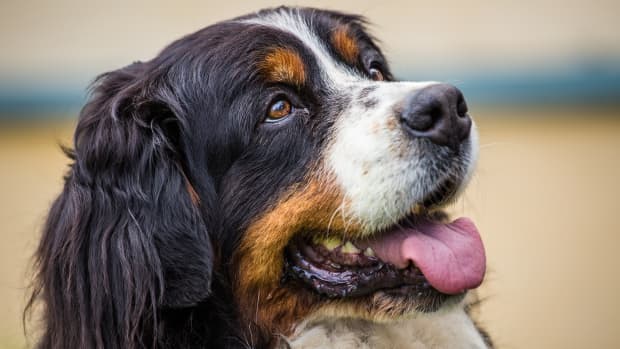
(422, 256)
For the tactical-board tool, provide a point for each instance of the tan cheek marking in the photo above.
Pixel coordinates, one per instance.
(259, 259)
(345, 44)
(283, 65)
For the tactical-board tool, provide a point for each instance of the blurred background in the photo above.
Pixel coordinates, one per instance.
(542, 79)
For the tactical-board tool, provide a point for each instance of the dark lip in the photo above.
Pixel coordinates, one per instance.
(311, 267)
(334, 280)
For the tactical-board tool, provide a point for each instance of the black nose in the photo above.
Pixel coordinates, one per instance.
(439, 113)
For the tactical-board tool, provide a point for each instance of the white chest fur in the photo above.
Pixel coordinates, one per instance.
(453, 329)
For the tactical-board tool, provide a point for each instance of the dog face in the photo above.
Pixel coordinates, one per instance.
(341, 157)
(281, 141)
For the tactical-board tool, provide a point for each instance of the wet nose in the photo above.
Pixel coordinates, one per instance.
(439, 113)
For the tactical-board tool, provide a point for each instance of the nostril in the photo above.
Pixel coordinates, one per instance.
(461, 106)
(423, 113)
(436, 111)
(423, 122)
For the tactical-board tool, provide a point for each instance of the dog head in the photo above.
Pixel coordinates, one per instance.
(354, 229)
(281, 141)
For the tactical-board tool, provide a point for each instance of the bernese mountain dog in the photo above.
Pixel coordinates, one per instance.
(265, 182)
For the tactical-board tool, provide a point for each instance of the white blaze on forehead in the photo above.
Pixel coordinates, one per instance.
(293, 22)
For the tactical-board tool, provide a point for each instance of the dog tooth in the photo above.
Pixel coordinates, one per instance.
(368, 252)
(349, 248)
(331, 243)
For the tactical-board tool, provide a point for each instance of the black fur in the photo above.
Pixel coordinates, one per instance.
(123, 240)
(127, 258)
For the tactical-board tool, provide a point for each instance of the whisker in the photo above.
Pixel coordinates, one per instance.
(494, 144)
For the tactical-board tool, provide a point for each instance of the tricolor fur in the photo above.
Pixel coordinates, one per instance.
(182, 200)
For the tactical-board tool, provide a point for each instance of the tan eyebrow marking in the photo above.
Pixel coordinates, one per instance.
(345, 44)
(283, 65)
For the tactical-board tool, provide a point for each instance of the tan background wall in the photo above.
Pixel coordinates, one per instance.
(78, 39)
(545, 196)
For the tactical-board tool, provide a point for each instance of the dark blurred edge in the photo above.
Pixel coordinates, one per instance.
(596, 86)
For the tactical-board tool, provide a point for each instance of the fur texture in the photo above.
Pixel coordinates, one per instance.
(183, 196)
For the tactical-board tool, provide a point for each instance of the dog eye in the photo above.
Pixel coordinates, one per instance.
(279, 110)
(376, 74)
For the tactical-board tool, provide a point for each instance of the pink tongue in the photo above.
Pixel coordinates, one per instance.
(451, 256)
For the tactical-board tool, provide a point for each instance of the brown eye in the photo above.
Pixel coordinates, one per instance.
(376, 74)
(279, 110)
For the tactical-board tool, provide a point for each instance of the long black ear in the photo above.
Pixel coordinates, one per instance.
(125, 237)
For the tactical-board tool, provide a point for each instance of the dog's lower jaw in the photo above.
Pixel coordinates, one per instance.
(446, 328)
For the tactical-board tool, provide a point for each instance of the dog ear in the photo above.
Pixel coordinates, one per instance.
(126, 236)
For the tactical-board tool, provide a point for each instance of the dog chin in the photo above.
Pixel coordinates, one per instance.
(383, 308)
